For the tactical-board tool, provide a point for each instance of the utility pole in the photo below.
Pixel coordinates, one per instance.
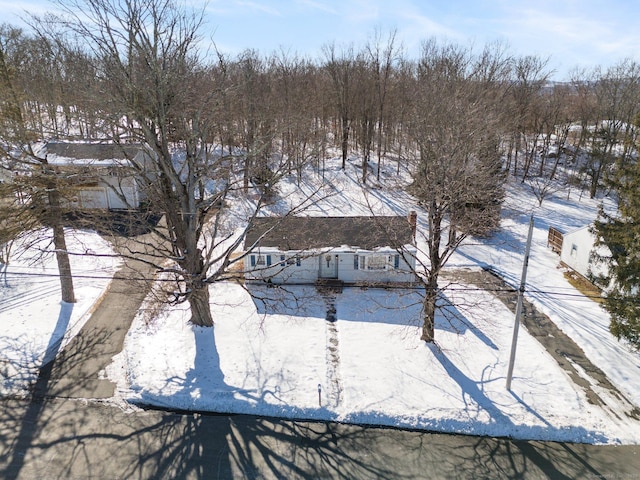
(516, 325)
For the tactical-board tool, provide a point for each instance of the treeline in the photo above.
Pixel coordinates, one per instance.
(370, 101)
(458, 119)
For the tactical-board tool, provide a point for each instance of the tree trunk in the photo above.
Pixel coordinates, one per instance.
(595, 180)
(345, 141)
(60, 245)
(365, 161)
(64, 267)
(200, 306)
(429, 311)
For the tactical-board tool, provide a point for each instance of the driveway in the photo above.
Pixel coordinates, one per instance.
(559, 345)
(78, 370)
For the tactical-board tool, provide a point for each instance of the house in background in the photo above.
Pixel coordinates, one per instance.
(352, 250)
(576, 249)
(101, 173)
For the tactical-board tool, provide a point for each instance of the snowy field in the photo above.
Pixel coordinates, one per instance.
(284, 359)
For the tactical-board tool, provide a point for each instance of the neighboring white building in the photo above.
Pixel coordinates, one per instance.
(577, 252)
(353, 250)
(104, 177)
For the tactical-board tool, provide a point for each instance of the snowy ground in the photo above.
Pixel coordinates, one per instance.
(35, 324)
(285, 359)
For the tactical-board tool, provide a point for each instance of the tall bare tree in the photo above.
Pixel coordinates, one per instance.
(383, 61)
(457, 168)
(157, 91)
(341, 68)
(529, 76)
(616, 93)
(40, 185)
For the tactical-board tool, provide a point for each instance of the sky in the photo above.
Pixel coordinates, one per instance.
(573, 33)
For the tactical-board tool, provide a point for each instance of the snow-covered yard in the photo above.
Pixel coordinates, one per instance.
(35, 324)
(285, 359)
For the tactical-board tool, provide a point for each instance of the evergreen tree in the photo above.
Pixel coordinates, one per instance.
(621, 234)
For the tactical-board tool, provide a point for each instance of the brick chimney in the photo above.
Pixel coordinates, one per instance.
(413, 222)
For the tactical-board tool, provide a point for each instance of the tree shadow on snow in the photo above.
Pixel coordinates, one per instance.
(451, 319)
(39, 389)
(475, 400)
(392, 306)
(288, 300)
(202, 385)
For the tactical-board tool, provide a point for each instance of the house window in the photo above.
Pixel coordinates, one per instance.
(574, 250)
(293, 261)
(282, 261)
(261, 260)
(377, 262)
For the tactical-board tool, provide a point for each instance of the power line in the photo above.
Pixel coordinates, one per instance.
(578, 296)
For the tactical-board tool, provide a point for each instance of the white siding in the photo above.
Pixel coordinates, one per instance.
(305, 267)
(348, 272)
(107, 194)
(117, 188)
(577, 247)
(295, 268)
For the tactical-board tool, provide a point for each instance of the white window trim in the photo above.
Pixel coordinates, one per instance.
(377, 262)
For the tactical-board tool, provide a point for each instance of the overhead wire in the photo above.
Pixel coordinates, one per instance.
(458, 288)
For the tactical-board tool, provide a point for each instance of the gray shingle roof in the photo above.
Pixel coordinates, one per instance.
(304, 233)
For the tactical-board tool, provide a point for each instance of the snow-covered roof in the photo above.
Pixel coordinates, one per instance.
(88, 153)
(306, 233)
(576, 230)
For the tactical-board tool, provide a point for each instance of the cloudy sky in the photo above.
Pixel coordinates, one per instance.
(573, 33)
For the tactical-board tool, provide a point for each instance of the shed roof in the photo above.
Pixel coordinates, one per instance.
(576, 231)
(305, 233)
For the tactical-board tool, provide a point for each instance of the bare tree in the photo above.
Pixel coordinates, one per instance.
(528, 80)
(41, 187)
(457, 172)
(616, 94)
(365, 111)
(146, 53)
(158, 92)
(341, 67)
(295, 100)
(382, 60)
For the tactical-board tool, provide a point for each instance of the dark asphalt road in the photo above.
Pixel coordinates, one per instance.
(75, 439)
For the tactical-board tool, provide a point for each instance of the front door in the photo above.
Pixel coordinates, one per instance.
(329, 265)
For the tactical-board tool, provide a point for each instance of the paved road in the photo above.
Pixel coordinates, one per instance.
(73, 439)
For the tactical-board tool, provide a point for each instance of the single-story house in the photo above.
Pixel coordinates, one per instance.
(353, 250)
(576, 250)
(102, 174)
